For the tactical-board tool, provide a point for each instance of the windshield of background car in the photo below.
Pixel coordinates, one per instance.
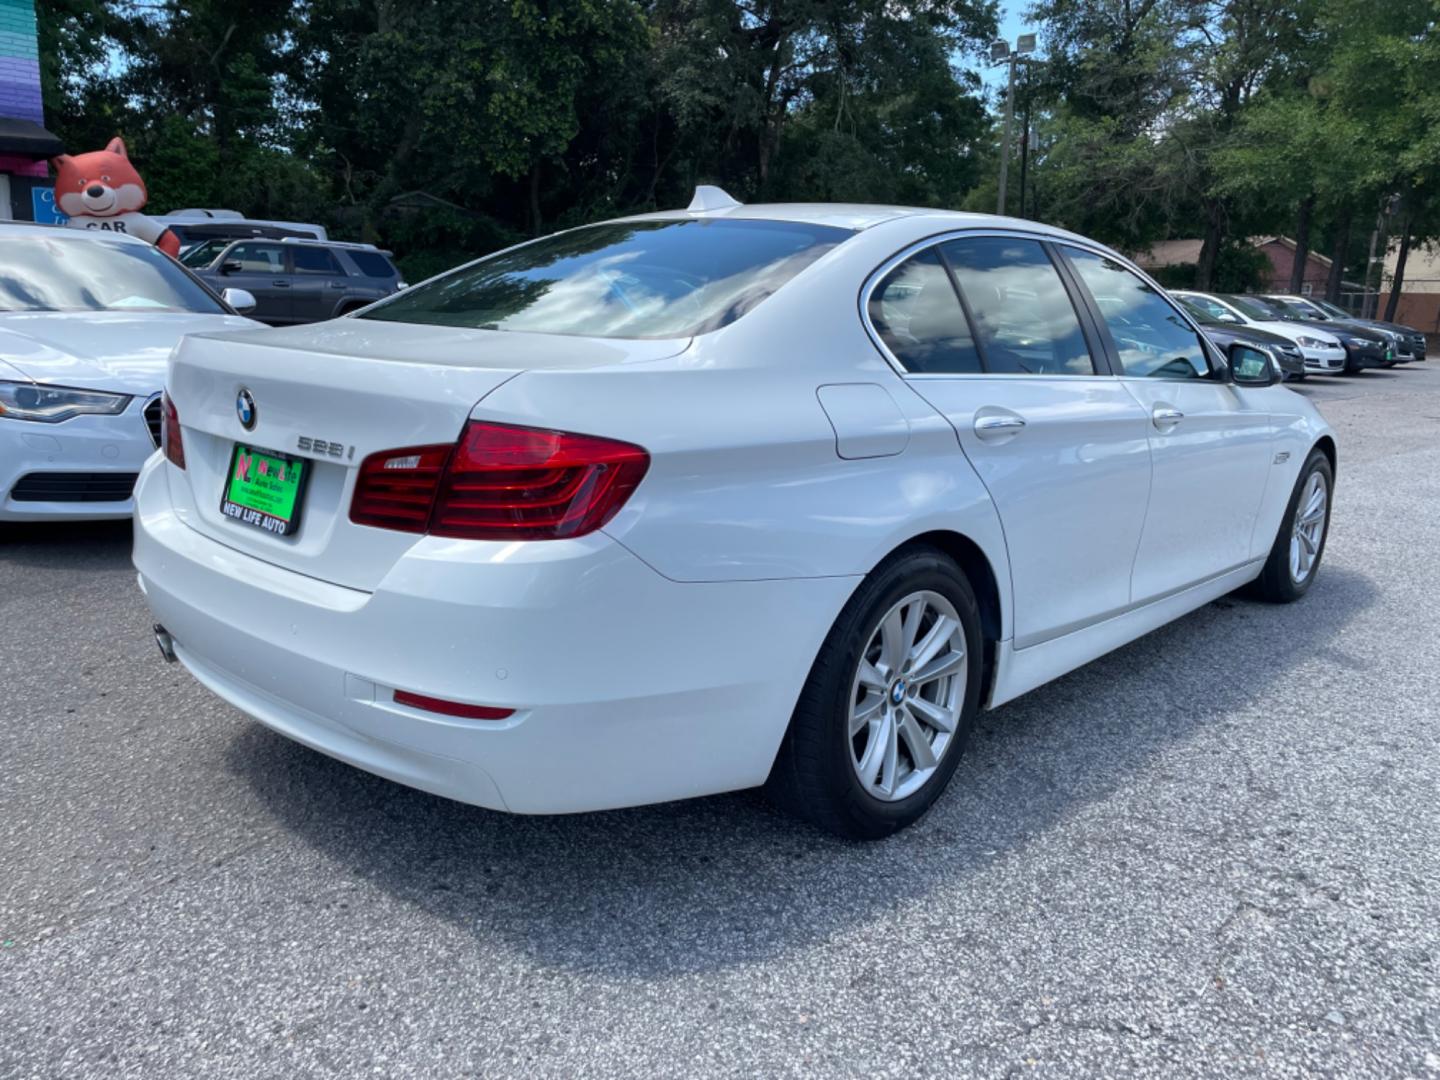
(1334, 311)
(59, 273)
(638, 279)
(204, 253)
(1260, 309)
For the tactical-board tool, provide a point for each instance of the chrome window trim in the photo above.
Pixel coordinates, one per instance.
(880, 272)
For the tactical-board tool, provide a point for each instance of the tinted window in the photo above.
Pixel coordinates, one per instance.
(917, 314)
(637, 279)
(258, 258)
(1022, 313)
(203, 254)
(313, 260)
(372, 263)
(1152, 338)
(59, 273)
(1261, 310)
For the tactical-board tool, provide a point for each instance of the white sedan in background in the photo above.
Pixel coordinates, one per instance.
(708, 499)
(87, 323)
(1324, 353)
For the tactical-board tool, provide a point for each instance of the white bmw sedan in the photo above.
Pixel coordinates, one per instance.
(87, 322)
(709, 499)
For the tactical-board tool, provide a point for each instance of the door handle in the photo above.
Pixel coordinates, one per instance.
(337, 284)
(998, 426)
(1164, 416)
(281, 284)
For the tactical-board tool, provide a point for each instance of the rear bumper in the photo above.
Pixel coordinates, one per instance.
(628, 688)
(99, 445)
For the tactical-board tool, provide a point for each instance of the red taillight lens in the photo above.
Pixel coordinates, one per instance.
(170, 437)
(451, 708)
(396, 488)
(500, 482)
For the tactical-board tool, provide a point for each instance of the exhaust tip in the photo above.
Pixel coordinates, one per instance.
(166, 643)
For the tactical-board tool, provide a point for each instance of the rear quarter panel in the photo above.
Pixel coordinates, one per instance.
(745, 481)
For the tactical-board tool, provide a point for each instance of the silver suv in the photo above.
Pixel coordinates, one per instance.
(294, 280)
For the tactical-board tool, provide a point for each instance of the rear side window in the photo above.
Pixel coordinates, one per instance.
(313, 260)
(1022, 314)
(636, 279)
(1151, 336)
(372, 263)
(918, 316)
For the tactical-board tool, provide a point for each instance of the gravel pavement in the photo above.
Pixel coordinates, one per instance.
(1214, 852)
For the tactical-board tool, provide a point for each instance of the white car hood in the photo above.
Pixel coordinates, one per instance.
(1291, 331)
(120, 351)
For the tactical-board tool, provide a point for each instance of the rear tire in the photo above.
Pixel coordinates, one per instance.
(1300, 544)
(873, 703)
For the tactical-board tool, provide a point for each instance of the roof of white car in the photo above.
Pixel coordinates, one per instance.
(857, 216)
(36, 229)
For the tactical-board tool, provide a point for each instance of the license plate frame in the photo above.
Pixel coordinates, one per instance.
(259, 517)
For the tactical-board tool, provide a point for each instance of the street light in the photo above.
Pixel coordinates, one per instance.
(1000, 51)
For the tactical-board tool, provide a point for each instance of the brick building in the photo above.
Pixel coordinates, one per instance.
(25, 145)
(1280, 251)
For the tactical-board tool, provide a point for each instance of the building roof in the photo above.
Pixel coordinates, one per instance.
(1285, 241)
(1169, 253)
(25, 138)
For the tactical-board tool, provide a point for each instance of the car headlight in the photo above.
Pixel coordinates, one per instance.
(1366, 342)
(1314, 343)
(51, 404)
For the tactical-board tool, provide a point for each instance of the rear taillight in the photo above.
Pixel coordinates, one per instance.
(170, 438)
(500, 482)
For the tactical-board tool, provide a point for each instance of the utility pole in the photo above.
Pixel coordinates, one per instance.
(1001, 51)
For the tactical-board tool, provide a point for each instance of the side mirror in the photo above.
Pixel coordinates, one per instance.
(1250, 366)
(242, 300)
(230, 266)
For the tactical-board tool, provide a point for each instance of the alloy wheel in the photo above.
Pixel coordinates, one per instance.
(1309, 529)
(907, 695)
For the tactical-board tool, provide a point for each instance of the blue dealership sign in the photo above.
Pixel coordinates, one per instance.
(42, 200)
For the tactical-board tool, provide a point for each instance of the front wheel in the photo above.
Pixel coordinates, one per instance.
(889, 704)
(1295, 557)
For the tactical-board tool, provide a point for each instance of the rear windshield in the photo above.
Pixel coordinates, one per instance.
(639, 279)
(372, 263)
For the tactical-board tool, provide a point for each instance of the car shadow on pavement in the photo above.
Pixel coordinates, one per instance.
(66, 545)
(712, 883)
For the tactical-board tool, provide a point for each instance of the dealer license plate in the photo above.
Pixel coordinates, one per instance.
(264, 489)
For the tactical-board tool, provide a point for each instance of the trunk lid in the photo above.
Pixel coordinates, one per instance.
(354, 387)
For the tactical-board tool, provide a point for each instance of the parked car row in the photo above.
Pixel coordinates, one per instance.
(1329, 340)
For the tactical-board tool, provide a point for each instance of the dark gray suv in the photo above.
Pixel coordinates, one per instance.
(296, 281)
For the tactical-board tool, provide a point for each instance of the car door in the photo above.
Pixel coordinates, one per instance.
(318, 284)
(1210, 440)
(260, 268)
(988, 333)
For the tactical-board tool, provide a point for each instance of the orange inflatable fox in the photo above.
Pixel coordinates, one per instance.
(102, 190)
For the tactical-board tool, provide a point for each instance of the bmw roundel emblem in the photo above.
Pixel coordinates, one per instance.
(245, 409)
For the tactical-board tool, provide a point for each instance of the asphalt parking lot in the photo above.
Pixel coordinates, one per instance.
(1216, 851)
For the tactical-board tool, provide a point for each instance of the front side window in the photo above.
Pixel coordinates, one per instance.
(918, 316)
(198, 256)
(1022, 314)
(637, 279)
(1152, 338)
(77, 273)
(257, 258)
